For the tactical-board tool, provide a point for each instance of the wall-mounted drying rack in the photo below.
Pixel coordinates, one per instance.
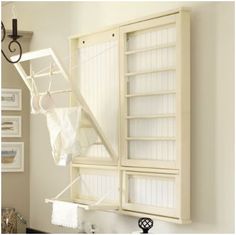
(149, 66)
(87, 114)
(138, 88)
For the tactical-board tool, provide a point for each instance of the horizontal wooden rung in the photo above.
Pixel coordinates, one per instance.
(151, 116)
(44, 74)
(91, 206)
(151, 93)
(86, 126)
(140, 168)
(82, 157)
(56, 92)
(98, 143)
(167, 45)
(150, 71)
(151, 138)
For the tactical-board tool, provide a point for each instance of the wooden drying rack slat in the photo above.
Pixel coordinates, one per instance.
(40, 75)
(91, 206)
(166, 92)
(172, 115)
(150, 71)
(56, 92)
(98, 143)
(167, 45)
(142, 138)
(103, 206)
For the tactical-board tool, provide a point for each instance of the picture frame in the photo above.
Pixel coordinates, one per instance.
(11, 126)
(12, 157)
(11, 99)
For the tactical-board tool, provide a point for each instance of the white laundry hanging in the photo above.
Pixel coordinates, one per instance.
(64, 214)
(40, 103)
(67, 138)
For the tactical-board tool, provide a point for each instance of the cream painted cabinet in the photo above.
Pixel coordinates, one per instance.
(136, 79)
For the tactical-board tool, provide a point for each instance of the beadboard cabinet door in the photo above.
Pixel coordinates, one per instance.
(155, 115)
(154, 95)
(95, 72)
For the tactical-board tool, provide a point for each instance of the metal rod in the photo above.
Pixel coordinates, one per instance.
(66, 188)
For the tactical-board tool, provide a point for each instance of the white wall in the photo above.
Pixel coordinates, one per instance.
(49, 22)
(212, 110)
(15, 185)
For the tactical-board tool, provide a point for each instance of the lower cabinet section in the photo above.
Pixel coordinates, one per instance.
(152, 193)
(140, 192)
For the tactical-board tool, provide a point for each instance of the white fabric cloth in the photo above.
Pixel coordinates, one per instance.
(41, 103)
(65, 214)
(66, 137)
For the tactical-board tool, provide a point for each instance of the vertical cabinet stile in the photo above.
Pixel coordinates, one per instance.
(183, 56)
(123, 91)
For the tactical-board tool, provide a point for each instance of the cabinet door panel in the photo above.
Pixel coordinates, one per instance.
(149, 93)
(151, 193)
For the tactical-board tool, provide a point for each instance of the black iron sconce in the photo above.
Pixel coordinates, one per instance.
(13, 44)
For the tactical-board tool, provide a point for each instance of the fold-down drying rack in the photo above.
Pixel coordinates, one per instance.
(99, 204)
(75, 92)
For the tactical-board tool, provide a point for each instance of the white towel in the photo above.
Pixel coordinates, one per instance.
(65, 214)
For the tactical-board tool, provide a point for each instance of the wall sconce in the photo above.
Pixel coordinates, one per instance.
(14, 36)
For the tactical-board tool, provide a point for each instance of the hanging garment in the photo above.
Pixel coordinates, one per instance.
(65, 214)
(41, 103)
(67, 138)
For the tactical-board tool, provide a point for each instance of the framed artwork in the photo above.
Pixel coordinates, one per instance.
(12, 157)
(11, 126)
(11, 99)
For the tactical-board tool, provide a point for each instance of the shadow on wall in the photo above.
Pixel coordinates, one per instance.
(203, 115)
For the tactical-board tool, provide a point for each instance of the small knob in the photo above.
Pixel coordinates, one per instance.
(145, 224)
